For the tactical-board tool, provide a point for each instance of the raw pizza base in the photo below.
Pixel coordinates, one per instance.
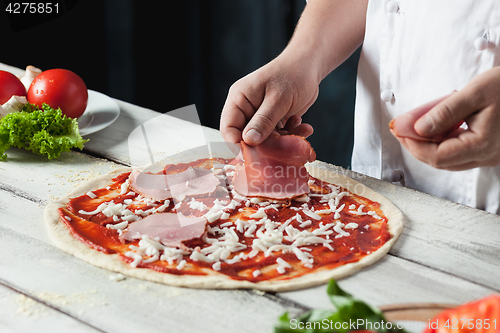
(63, 239)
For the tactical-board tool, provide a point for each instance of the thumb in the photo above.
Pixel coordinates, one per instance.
(445, 115)
(264, 121)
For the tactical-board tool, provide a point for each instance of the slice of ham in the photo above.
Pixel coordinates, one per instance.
(150, 185)
(275, 168)
(404, 125)
(193, 181)
(171, 229)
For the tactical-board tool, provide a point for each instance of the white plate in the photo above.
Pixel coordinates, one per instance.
(101, 112)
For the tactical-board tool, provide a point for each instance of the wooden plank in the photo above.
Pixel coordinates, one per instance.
(32, 264)
(416, 312)
(41, 180)
(20, 313)
(393, 280)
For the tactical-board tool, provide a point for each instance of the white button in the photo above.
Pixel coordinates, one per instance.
(481, 43)
(386, 95)
(396, 175)
(392, 7)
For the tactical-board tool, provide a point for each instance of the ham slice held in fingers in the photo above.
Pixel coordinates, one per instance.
(275, 168)
(193, 181)
(404, 125)
(171, 229)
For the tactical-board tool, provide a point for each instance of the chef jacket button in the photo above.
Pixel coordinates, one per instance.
(392, 7)
(397, 175)
(481, 43)
(386, 95)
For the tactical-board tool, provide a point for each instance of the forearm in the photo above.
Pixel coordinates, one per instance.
(328, 32)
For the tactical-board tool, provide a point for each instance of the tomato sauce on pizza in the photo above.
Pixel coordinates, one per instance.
(244, 238)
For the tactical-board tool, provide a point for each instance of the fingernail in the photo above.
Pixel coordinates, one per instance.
(254, 136)
(423, 126)
(280, 124)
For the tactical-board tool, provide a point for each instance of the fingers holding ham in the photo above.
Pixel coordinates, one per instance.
(403, 126)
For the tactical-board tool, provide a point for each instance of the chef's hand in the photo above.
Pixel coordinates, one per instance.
(273, 98)
(478, 103)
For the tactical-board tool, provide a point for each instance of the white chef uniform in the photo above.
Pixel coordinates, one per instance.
(415, 51)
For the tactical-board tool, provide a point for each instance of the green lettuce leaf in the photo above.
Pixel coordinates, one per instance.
(43, 131)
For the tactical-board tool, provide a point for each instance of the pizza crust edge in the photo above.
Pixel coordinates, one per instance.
(62, 238)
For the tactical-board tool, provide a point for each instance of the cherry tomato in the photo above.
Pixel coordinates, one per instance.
(10, 85)
(60, 88)
(482, 316)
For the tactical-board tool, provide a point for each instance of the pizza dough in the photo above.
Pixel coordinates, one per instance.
(63, 239)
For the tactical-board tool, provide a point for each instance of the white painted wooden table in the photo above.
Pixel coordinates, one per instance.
(447, 253)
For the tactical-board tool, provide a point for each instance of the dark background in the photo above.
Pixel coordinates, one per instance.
(164, 55)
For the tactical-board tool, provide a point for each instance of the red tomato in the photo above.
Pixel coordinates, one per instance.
(10, 85)
(60, 88)
(482, 316)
